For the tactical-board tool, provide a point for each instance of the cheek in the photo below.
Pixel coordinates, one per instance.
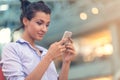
(32, 29)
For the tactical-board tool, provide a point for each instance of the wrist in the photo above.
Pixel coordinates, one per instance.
(50, 56)
(67, 62)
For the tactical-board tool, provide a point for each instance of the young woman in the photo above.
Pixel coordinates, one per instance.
(24, 60)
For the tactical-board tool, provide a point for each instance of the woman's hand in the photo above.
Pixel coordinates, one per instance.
(56, 49)
(69, 54)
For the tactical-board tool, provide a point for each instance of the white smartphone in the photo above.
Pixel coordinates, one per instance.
(67, 34)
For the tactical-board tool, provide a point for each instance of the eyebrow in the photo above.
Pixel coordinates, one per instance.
(41, 20)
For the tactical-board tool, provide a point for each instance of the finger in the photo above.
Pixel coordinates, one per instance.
(61, 46)
(55, 43)
(70, 51)
(61, 42)
(69, 46)
(70, 40)
(63, 49)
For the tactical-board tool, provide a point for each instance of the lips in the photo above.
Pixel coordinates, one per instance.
(41, 34)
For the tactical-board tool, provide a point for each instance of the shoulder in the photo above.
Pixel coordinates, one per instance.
(9, 45)
(9, 51)
(10, 48)
(12, 45)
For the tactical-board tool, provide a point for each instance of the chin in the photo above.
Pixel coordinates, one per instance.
(38, 39)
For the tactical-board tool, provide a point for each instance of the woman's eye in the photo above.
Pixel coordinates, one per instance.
(39, 23)
(47, 25)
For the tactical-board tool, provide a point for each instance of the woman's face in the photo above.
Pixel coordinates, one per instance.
(37, 27)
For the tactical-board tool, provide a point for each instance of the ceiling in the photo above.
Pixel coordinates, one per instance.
(65, 16)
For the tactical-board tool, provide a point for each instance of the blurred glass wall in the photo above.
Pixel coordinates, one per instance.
(96, 34)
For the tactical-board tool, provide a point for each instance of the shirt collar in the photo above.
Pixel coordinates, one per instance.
(22, 41)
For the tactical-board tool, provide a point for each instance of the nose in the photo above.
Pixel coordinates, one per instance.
(44, 28)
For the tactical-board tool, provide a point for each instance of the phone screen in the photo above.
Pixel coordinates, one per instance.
(67, 34)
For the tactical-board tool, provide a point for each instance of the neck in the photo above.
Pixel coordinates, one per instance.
(29, 39)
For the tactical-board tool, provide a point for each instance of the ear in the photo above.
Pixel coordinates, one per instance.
(25, 21)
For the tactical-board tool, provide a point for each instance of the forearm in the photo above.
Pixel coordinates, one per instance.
(64, 71)
(38, 72)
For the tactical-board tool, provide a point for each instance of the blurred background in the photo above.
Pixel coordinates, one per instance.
(96, 34)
